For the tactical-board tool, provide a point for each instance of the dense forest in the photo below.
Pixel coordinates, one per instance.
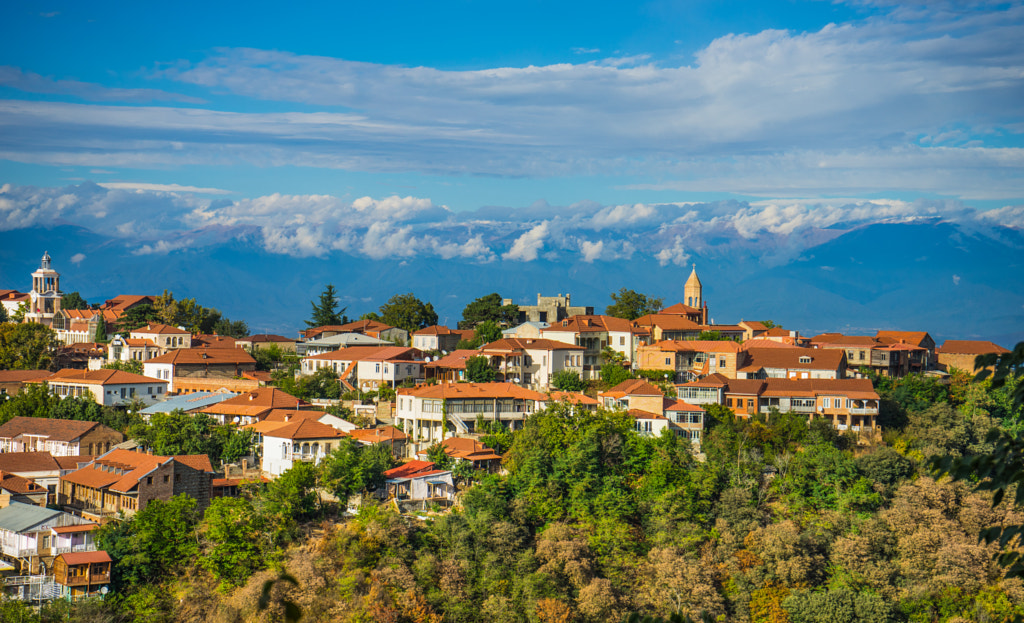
(785, 520)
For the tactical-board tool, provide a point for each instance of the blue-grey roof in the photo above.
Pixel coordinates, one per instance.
(20, 517)
(188, 402)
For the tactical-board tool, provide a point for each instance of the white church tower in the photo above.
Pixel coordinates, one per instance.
(45, 297)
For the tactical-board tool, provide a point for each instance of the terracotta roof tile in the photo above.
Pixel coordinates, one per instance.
(472, 390)
(57, 430)
(376, 435)
(82, 558)
(968, 347)
(205, 356)
(405, 470)
(23, 462)
(102, 377)
(19, 484)
(305, 429)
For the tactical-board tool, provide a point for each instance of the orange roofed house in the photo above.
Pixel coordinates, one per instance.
(299, 440)
(182, 365)
(960, 354)
(126, 481)
(594, 333)
(109, 388)
(421, 410)
(253, 406)
(57, 437)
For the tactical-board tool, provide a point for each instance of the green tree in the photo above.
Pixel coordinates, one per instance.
(630, 304)
(3, 314)
(73, 300)
(231, 328)
(486, 332)
(405, 311)
(132, 365)
(352, 468)
(568, 381)
(479, 370)
(19, 314)
(488, 308)
(325, 310)
(138, 316)
(289, 499)
(34, 401)
(612, 374)
(439, 456)
(27, 346)
(101, 331)
(157, 542)
(231, 533)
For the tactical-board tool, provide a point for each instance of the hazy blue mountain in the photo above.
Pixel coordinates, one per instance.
(930, 275)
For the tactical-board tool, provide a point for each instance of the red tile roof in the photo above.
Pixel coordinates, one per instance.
(455, 360)
(820, 359)
(155, 328)
(515, 344)
(23, 376)
(23, 462)
(205, 356)
(968, 347)
(575, 398)
(472, 390)
(667, 322)
(646, 415)
(917, 338)
(590, 324)
(679, 405)
(699, 346)
(680, 309)
(56, 430)
(634, 387)
(19, 484)
(82, 558)
(305, 429)
(102, 377)
(377, 435)
(84, 527)
(409, 469)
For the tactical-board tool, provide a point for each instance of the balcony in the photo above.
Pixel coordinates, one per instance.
(57, 551)
(303, 456)
(864, 411)
(17, 552)
(83, 580)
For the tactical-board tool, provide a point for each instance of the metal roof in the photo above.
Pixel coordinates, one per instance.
(188, 402)
(20, 517)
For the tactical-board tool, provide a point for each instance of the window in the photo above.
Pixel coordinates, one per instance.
(721, 362)
(166, 478)
(622, 340)
(826, 402)
(805, 359)
(177, 478)
(149, 480)
(728, 402)
(376, 367)
(750, 402)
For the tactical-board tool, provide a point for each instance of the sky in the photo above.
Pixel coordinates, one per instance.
(507, 132)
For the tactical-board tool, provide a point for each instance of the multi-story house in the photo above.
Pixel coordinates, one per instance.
(123, 481)
(253, 406)
(792, 363)
(184, 364)
(921, 358)
(57, 437)
(27, 537)
(594, 334)
(550, 309)
(369, 367)
(686, 360)
(423, 412)
(438, 337)
(371, 328)
(653, 412)
(109, 388)
(960, 354)
(300, 440)
(530, 362)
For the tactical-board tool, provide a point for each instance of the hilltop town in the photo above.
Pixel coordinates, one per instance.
(142, 413)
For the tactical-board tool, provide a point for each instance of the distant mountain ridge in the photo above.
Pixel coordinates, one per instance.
(928, 274)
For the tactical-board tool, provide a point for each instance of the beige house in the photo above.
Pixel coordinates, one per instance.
(960, 354)
(109, 388)
(532, 363)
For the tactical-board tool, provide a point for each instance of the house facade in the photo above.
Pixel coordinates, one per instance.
(57, 437)
(303, 440)
(109, 388)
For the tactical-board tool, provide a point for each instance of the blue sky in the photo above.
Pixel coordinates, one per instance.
(190, 114)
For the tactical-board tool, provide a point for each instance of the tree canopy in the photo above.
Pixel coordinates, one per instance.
(479, 370)
(405, 311)
(73, 300)
(325, 309)
(630, 304)
(26, 346)
(488, 308)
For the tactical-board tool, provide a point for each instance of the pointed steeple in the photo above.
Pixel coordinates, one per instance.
(693, 290)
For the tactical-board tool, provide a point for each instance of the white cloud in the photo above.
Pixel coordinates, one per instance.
(675, 254)
(77, 258)
(161, 187)
(527, 246)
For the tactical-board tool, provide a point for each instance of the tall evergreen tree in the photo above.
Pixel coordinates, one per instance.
(325, 311)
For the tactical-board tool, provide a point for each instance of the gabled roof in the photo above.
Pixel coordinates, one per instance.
(205, 356)
(82, 527)
(679, 405)
(753, 325)
(27, 462)
(448, 391)
(436, 330)
(290, 415)
(265, 397)
(358, 326)
(56, 430)
(406, 470)
(763, 343)
(820, 358)
(121, 470)
(73, 462)
(376, 435)
(101, 377)
(131, 341)
(213, 341)
(968, 347)
(516, 344)
(155, 328)
(667, 322)
(634, 387)
(18, 517)
(745, 386)
(304, 429)
(82, 558)
(125, 302)
(850, 388)
(23, 376)
(680, 310)
(575, 398)
(455, 360)
(646, 415)
(699, 346)
(917, 338)
(590, 324)
(19, 484)
(716, 380)
(468, 449)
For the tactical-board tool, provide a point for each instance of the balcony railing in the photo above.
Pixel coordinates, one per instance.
(18, 552)
(82, 580)
(841, 426)
(864, 410)
(303, 456)
(57, 551)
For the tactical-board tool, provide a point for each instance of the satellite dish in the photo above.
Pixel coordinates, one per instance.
(427, 358)
(516, 380)
(444, 352)
(104, 590)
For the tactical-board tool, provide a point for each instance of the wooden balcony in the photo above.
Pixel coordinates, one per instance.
(85, 580)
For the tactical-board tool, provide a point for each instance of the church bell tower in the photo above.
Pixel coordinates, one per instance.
(45, 297)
